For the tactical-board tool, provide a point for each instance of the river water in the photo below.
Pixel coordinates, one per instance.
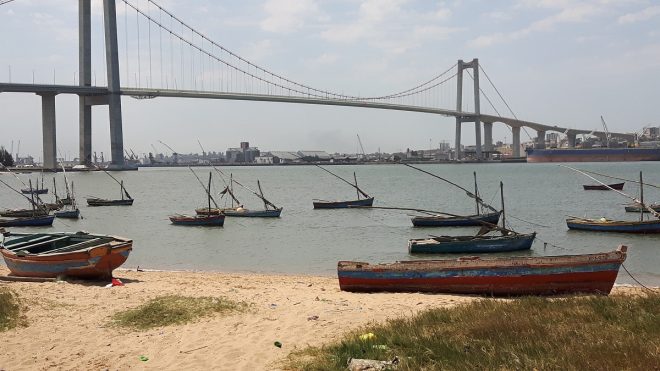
(309, 241)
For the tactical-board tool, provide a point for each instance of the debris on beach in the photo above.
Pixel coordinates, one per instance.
(277, 344)
(355, 364)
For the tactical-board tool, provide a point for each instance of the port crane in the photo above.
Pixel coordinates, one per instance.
(175, 155)
(607, 132)
(364, 155)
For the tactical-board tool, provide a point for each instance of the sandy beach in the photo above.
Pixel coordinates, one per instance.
(68, 324)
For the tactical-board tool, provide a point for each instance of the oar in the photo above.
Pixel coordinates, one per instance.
(615, 190)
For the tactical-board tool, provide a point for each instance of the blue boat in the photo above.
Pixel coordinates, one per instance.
(607, 225)
(246, 213)
(471, 244)
(456, 221)
(68, 214)
(321, 204)
(37, 221)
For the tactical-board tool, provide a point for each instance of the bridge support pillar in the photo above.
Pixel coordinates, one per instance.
(540, 139)
(114, 88)
(571, 140)
(488, 136)
(458, 139)
(49, 131)
(515, 146)
(85, 78)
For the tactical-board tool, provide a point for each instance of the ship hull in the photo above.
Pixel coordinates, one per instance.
(593, 155)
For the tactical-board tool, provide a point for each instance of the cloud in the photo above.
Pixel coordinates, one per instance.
(285, 16)
(259, 50)
(642, 15)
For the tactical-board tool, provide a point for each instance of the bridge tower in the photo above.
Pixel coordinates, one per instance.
(469, 117)
(113, 97)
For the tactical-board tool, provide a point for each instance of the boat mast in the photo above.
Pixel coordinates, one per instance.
(209, 193)
(641, 197)
(476, 192)
(121, 189)
(32, 195)
(262, 195)
(356, 186)
(502, 200)
(231, 188)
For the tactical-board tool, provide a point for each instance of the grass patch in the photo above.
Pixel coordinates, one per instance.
(174, 310)
(10, 309)
(596, 333)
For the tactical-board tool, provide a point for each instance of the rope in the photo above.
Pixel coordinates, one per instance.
(636, 280)
(527, 221)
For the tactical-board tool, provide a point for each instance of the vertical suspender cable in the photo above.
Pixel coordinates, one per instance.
(139, 75)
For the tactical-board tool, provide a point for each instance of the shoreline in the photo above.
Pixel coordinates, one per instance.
(72, 319)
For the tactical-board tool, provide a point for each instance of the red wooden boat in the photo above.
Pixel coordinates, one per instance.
(507, 276)
(70, 254)
(600, 187)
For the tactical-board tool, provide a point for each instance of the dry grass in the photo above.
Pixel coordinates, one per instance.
(173, 310)
(595, 333)
(10, 309)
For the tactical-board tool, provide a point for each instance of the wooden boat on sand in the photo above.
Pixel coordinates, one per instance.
(600, 187)
(510, 276)
(70, 254)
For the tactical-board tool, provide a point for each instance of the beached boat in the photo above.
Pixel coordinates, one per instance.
(507, 276)
(607, 225)
(600, 187)
(455, 221)
(32, 221)
(69, 254)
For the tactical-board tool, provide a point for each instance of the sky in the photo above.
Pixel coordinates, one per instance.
(560, 62)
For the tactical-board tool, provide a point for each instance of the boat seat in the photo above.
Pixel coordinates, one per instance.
(40, 243)
(12, 247)
(92, 242)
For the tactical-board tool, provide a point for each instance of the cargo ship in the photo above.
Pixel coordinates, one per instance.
(593, 154)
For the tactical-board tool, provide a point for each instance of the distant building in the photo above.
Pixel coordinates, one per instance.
(284, 157)
(314, 156)
(245, 153)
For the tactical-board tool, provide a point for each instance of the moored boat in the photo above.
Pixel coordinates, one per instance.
(198, 220)
(70, 254)
(455, 221)
(242, 212)
(600, 187)
(22, 213)
(471, 244)
(509, 276)
(636, 208)
(593, 155)
(32, 221)
(322, 204)
(607, 225)
(68, 214)
(94, 201)
(35, 191)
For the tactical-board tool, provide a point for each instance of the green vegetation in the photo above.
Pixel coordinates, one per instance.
(596, 333)
(5, 157)
(10, 309)
(173, 309)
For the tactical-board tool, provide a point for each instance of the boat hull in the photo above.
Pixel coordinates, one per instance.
(23, 213)
(593, 155)
(254, 213)
(94, 262)
(590, 273)
(600, 187)
(36, 191)
(636, 208)
(651, 226)
(102, 202)
(467, 221)
(199, 220)
(486, 244)
(343, 204)
(68, 214)
(40, 221)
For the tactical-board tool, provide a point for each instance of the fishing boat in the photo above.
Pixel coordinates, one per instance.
(507, 240)
(601, 187)
(455, 221)
(269, 210)
(36, 191)
(32, 221)
(64, 254)
(607, 225)
(505, 276)
(23, 213)
(70, 209)
(636, 208)
(126, 199)
(621, 226)
(363, 199)
(200, 219)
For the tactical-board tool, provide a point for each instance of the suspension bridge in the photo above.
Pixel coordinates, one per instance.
(163, 56)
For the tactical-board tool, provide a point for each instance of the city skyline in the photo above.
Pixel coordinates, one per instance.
(570, 72)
